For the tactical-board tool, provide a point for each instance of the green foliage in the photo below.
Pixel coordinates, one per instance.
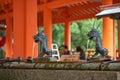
(2, 33)
(58, 34)
(79, 32)
(2, 53)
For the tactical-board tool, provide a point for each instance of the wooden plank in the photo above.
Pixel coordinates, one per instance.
(69, 58)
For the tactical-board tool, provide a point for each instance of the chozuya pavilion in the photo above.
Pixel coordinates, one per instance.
(22, 18)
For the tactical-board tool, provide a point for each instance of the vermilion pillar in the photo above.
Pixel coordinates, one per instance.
(9, 25)
(108, 35)
(108, 27)
(119, 37)
(67, 34)
(114, 41)
(47, 22)
(24, 27)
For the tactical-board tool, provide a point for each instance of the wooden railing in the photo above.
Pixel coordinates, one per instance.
(91, 52)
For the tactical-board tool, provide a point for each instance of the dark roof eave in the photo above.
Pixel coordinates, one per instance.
(112, 13)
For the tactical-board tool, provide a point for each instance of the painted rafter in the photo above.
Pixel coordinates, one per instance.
(59, 3)
(83, 9)
(6, 6)
(82, 17)
(90, 5)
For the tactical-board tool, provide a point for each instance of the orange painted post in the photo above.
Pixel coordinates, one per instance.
(114, 41)
(67, 34)
(108, 25)
(9, 25)
(118, 38)
(31, 28)
(47, 22)
(24, 27)
(108, 35)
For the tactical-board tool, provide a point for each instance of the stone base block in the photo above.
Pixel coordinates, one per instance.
(38, 74)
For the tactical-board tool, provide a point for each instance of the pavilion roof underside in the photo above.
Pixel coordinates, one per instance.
(61, 9)
(73, 11)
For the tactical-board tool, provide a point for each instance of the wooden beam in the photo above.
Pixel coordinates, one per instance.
(40, 7)
(72, 18)
(83, 7)
(75, 18)
(3, 1)
(59, 3)
(58, 22)
(3, 16)
(82, 17)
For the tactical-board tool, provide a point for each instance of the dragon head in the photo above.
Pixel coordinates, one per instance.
(93, 33)
(38, 37)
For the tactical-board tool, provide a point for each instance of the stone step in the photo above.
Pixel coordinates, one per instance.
(37, 74)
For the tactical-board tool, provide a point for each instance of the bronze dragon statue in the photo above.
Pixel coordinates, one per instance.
(94, 34)
(42, 37)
